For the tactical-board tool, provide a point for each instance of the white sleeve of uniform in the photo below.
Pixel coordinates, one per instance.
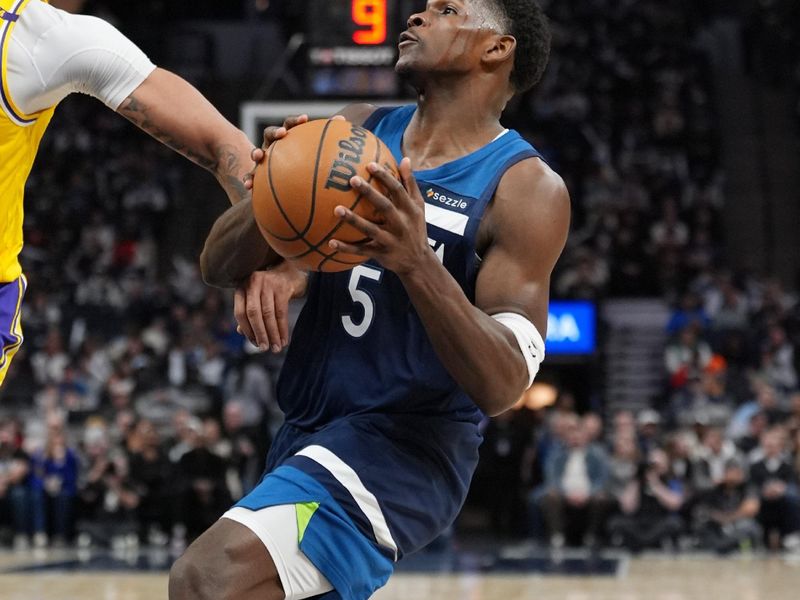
(53, 53)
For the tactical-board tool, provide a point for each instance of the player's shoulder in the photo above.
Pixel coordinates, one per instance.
(358, 113)
(532, 183)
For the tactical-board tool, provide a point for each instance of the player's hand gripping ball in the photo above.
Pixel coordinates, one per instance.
(304, 176)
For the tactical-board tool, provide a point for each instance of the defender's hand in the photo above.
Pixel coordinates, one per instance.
(400, 243)
(261, 305)
(271, 135)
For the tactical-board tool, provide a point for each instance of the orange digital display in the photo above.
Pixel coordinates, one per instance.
(371, 16)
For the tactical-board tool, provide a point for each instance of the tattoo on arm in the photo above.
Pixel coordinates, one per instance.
(221, 160)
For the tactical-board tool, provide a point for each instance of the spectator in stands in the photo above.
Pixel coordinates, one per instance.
(777, 360)
(624, 424)
(766, 401)
(649, 432)
(184, 426)
(710, 459)
(623, 467)
(203, 492)
(726, 514)
(54, 486)
(750, 442)
(107, 496)
(690, 314)
(153, 476)
(14, 495)
(49, 363)
(732, 312)
(649, 506)
(703, 396)
(687, 357)
(574, 492)
(776, 481)
(248, 445)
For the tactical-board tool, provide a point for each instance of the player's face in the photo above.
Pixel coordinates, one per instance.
(450, 36)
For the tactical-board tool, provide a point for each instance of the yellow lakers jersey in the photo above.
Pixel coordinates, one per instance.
(20, 135)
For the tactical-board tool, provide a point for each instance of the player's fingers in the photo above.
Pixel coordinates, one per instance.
(282, 318)
(338, 118)
(248, 181)
(254, 316)
(393, 186)
(381, 203)
(270, 320)
(368, 249)
(271, 134)
(410, 182)
(240, 314)
(368, 228)
(257, 154)
(295, 121)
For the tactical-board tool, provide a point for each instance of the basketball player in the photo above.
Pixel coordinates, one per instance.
(394, 363)
(46, 54)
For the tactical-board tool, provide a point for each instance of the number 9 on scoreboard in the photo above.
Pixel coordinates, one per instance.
(371, 18)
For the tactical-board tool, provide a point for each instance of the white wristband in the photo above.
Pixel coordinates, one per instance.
(529, 339)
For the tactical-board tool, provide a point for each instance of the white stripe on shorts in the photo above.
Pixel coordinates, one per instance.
(365, 500)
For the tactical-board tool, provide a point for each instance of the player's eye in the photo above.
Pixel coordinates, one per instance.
(449, 10)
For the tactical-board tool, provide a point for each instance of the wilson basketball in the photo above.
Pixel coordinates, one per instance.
(303, 178)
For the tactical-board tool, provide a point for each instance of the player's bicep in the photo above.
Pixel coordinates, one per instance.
(531, 222)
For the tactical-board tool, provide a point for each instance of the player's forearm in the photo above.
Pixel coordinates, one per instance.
(235, 248)
(479, 353)
(175, 113)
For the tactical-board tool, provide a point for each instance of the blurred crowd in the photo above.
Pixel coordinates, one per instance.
(641, 482)
(133, 396)
(135, 413)
(626, 115)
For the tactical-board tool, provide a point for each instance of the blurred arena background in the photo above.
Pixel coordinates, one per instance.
(672, 371)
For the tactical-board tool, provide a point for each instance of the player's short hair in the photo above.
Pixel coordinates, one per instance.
(526, 21)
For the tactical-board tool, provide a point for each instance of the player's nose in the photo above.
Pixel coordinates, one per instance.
(416, 20)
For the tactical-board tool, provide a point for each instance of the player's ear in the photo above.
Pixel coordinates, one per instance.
(500, 49)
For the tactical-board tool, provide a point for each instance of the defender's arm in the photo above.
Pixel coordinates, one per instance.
(175, 113)
(57, 53)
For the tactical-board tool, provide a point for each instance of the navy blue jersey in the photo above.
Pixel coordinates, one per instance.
(362, 378)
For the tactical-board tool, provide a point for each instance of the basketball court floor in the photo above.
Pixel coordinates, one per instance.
(68, 575)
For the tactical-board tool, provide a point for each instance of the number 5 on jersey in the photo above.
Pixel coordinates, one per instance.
(363, 298)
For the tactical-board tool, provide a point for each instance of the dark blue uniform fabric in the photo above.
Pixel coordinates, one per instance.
(362, 380)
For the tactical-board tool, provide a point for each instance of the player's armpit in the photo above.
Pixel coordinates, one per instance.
(175, 113)
(235, 248)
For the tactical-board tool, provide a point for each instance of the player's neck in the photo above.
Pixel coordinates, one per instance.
(452, 121)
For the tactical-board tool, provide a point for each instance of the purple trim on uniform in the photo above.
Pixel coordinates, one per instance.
(9, 16)
(6, 101)
(9, 303)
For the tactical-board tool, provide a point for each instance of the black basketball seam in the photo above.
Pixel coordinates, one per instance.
(278, 201)
(327, 236)
(300, 234)
(314, 180)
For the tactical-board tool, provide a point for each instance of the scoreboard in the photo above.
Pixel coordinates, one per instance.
(353, 46)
